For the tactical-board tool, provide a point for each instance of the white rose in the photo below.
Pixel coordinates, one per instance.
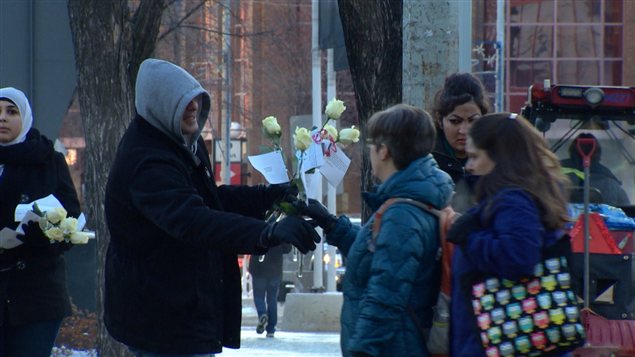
(56, 215)
(55, 233)
(271, 126)
(302, 139)
(350, 135)
(69, 224)
(334, 109)
(79, 238)
(331, 130)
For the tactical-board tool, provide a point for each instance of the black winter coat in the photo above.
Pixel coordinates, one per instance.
(32, 280)
(172, 281)
(447, 161)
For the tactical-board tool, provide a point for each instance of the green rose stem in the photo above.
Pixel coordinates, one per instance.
(36, 210)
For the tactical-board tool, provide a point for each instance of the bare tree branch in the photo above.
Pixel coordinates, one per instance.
(146, 23)
(181, 20)
(206, 29)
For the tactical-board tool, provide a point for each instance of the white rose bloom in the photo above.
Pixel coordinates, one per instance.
(56, 215)
(69, 224)
(302, 139)
(79, 238)
(350, 135)
(334, 109)
(271, 126)
(55, 234)
(331, 130)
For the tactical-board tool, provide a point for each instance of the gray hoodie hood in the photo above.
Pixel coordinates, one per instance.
(163, 91)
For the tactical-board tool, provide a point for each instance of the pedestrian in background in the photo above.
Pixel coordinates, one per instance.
(266, 276)
(395, 277)
(522, 208)
(602, 179)
(456, 105)
(33, 293)
(172, 281)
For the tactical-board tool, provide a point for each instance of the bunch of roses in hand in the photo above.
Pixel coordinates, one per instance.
(57, 227)
(326, 138)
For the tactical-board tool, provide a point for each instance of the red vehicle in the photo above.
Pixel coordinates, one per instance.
(604, 259)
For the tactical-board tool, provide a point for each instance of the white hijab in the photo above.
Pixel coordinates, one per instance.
(20, 100)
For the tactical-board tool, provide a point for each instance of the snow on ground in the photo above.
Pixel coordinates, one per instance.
(285, 344)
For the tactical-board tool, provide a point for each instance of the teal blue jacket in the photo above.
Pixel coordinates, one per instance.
(403, 271)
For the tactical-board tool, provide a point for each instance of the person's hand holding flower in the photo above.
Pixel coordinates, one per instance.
(55, 226)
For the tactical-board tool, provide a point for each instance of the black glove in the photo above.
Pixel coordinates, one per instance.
(462, 227)
(281, 192)
(318, 213)
(291, 229)
(33, 236)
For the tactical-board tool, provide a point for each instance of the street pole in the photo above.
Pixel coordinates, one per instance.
(331, 192)
(500, 51)
(430, 48)
(316, 95)
(465, 36)
(226, 173)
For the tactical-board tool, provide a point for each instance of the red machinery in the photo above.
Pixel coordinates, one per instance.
(605, 260)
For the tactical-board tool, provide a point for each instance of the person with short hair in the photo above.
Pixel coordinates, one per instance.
(392, 282)
(172, 281)
(266, 277)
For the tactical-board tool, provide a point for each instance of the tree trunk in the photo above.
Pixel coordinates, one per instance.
(109, 46)
(373, 37)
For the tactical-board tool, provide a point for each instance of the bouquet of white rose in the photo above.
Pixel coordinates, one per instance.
(48, 215)
(323, 139)
(57, 227)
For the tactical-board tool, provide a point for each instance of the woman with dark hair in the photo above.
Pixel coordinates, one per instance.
(391, 273)
(461, 101)
(33, 295)
(522, 208)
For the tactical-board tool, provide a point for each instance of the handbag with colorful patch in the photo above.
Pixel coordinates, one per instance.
(533, 316)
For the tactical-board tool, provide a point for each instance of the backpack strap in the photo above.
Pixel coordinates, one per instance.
(445, 218)
(389, 202)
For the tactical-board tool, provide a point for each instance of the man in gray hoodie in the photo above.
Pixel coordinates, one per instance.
(172, 281)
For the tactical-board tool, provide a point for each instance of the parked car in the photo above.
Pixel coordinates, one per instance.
(299, 280)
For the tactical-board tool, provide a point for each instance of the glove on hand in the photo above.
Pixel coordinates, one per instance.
(281, 192)
(293, 230)
(33, 236)
(462, 227)
(319, 214)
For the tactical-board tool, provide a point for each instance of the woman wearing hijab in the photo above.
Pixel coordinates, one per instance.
(33, 294)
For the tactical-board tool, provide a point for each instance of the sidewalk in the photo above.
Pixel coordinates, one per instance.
(285, 344)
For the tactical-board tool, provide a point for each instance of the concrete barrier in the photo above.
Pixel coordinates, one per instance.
(312, 312)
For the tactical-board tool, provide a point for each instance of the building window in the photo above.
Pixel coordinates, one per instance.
(566, 41)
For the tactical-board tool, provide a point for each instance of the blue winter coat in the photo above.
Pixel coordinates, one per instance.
(403, 271)
(509, 246)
